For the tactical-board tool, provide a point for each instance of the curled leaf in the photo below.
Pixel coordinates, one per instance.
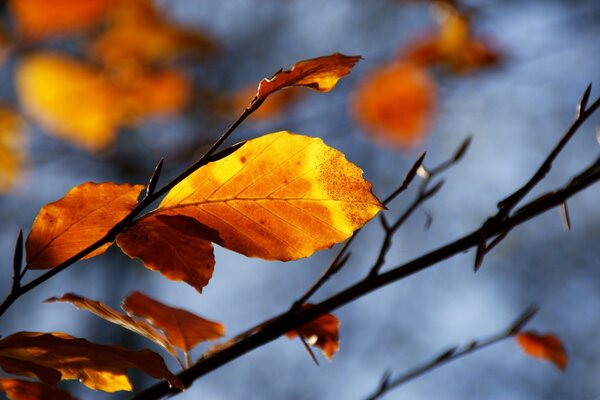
(322, 332)
(86, 214)
(548, 347)
(99, 367)
(183, 328)
(320, 74)
(20, 389)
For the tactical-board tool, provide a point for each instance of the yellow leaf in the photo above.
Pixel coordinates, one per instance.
(12, 148)
(548, 347)
(183, 329)
(279, 197)
(86, 213)
(111, 315)
(69, 99)
(320, 74)
(394, 104)
(99, 367)
(19, 389)
(321, 332)
(38, 19)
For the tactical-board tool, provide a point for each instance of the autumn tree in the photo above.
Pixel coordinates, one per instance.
(111, 82)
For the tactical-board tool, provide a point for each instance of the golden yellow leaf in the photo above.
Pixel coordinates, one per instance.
(86, 213)
(111, 315)
(394, 103)
(322, 332)
(12, 148)
(177, 246)
(19, 389)
(279, 197)
(99, 367)
(38, 19)
(548, 347)
(320, 74)
(183, 329)
(69, 99)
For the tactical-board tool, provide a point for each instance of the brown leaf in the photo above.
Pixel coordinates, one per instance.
(13, 140)
(320, 74)
(86, 213)
(183, 329)
(395, 103)
(177, 246)
(99, 367)
(548, 347)
(49, 376)
(111, 315)
(19, 389)
(322, 332)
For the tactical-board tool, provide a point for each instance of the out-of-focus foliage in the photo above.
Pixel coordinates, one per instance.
(12, 148)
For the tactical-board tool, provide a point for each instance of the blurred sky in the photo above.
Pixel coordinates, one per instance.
(516, 113)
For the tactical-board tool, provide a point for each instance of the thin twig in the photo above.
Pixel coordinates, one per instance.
(452, 354)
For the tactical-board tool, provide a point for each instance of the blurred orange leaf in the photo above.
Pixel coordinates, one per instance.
(39, 19)
(548, 347)
(12, 148)
(395, 103)
(320, 74)
(183, 329)
(111, 315)
(322, 332)
(19, 389)
(279, 197)
(99, 367)
(278, 102)
(86, 213)
(69, 99)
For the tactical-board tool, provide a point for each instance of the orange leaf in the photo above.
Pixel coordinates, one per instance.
(322, 332)
(279, 197)
(184, 329)
(174, 245)
(549, 347)
(320, 74)
(99, 367)
(395, 103)
(111, 315)
(12, 148)
(49, 376)
(85, 215)
(69, 99)
(19, 389)
(38, 19)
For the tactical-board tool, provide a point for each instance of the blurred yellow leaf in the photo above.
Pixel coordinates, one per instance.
(12, 148)
(394, 103)
(38, 19)
(277, 104)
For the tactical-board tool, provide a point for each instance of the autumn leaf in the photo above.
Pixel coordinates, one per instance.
(279, 197)
(69, 99)
(12, 148)
(19, 389)
(322, 332)
(39, 19)
(548, 347)
(174, 245)
(99, 367)
(85, 215)
(183, 329)
(395, 103)
(111, 315)
(320, 74)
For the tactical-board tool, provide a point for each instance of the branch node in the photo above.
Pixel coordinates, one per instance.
(154, 178)
(584, 100)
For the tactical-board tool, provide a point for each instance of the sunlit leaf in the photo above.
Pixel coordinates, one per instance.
(183, 329)
(99, 367)
(177, 246)
(548, 347)
(279, 197)
(69, 99)
(12, 148)
(86, 213)
(394, 104)
(320, 74)
(111, 315)
(19, 389)
(322, 332)
(38, 19)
